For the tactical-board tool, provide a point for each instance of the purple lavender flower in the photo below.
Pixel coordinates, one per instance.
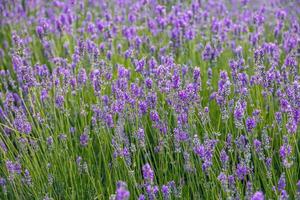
(250, 124)
(13, 167)
(149, 83)
(284, 153)
(257, 145)
(278, 117)
(239, 113)
(223, 179)
(241, 171)
(82, 77)
(50, 141)
(152, 191)
(44, 94)
(21, 124)
(258, 196)
(84, 139)
(2, 182)
(148, 173)
(166, 192)
(209, 53)
(231, 180)
(122, 193)
(143, 107)
(27, 177)
(72, 130)
(142, 197)
(180, 135)
(284, 195)
(140, 135)
(3, 146)
(196, 74)
(291, 126)
(59, 101)
(281, 183)
(62, 137)
(154, 116)
(224, 157)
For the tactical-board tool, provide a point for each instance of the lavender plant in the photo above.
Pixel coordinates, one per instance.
(147, 99)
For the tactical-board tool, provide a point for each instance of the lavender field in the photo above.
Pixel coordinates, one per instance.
(149, 99)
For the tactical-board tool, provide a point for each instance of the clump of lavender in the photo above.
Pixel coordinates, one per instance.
(166, 192)
(239, 112)
(84, 138)
(205, 151)
(148, 174)
(3, 185)
(285, 154)
(140, 135)
(204, 95)
(121, 192)
(21, 123)
(13, 168)
(258, 196)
